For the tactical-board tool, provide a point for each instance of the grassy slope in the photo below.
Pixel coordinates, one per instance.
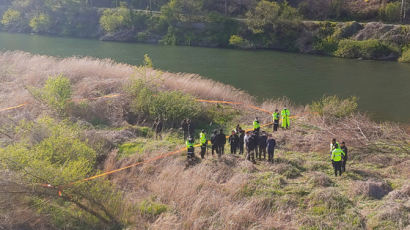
(298, 191)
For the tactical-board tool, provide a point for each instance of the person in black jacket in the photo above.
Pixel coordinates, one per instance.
(214, 142)
(221, 140)
(344, 149)
(251, 145)
(233, 141)
(262, 145)
(271, 144)
(241, 140)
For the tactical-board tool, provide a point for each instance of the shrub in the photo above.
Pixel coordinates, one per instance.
(327, 45)
(113, 20)
(56, 93)
(334, 106)
(368, 49)
(328, 198)
(147, 61)
(238, 41)
(40, 23)
(405, 55)
(151, 209)
(391, 12)
(11, 18)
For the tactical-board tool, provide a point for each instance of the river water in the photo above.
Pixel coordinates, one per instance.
(382, 87)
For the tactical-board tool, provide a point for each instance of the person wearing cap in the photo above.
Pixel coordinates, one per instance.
(271, 144)
(285, 114)
(233, 141)
(344, 149)
(190, 148)
(256, 125)
(336, 157)
(202, 139)
(275, 118)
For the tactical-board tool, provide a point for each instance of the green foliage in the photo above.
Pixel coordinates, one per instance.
(263, 17)
(130, 148)
(326, 45)
(405, 55)
(116, 19)
(151, 209)
(148, 61)
(238, 41)
(40, 23)
(368, 49)
(390, 12)
(57, 93)
(172, 106)
(333, 106)
(11, 17)
(182, 11)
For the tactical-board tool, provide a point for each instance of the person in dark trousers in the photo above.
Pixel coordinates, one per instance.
(184, 127)
(158, 128)
(271, 144)
(262, 145)
(204, 142)
(337, 156)
(250, 141)
(241, 140)
(190, 148)
(221, 139)
(344, 149)
(333, 145)
(190, 128)
(233, 141)
(275, 117)
(214, 142)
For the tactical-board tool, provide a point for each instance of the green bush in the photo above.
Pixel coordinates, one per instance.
(151, 209)
(238, 41)
(405, 55)
(56, 93)
(51, 152)
(326, 45)
(333, 106)
(391, 12)
(113, 20)
(11, 18)
(368, 49)
(171, 106)
(40, 23)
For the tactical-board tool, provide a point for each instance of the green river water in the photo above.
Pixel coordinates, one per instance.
(383, 87)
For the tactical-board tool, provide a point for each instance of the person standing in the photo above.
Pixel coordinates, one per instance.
(250, 141)
(158, 129)
(271, 144)
(221, 139)
(256, 125)
(241, 140)
(337, 156)
(202, 139)
(334, 145)
(184, 127)
(214, 142)
(275, 118)
(285, 114)
(262, 145)
(344, 149)
(233, 141)
(190, 148)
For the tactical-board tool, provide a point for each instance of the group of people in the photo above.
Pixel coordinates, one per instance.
(338, 156)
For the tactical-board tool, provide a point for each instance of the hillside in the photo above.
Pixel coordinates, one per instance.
(83, 116)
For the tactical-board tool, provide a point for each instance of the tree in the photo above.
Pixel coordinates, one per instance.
(116, 19)
(40, 23)
(11, 18)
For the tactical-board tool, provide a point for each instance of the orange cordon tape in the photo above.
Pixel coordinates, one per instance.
(60, 187)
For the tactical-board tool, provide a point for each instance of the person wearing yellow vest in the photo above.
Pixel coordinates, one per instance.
(275, 118)
(285, 114)
(337, 157)
(190, 148)
(256, 125)
(333, 145)
(202, 139)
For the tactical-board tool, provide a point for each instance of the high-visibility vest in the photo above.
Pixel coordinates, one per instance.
(285, 113)
(337, 154)
(202, 137)
(275, 116)
(336, 146)
(256, 124)
(189, 144)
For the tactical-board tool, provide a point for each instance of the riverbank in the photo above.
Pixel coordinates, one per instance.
(371, 40)
(69, 131)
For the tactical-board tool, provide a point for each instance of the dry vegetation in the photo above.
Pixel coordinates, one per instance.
(298, 191)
